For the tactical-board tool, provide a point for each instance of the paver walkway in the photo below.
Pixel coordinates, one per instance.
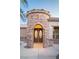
(39, 53)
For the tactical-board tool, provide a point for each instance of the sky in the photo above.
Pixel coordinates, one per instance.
(50, 5)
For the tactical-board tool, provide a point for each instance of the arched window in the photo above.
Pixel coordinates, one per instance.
(38, 26)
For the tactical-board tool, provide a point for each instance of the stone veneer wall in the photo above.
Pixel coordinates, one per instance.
(33, 22)
(23, 33)
(50, 39)
(26, 33)
(31, 30)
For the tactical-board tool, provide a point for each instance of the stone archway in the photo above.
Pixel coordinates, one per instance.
(38, 36)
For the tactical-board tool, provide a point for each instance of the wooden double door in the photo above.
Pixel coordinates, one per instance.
(38, 35)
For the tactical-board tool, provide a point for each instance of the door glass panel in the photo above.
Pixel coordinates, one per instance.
(40, 34)
(36, 34)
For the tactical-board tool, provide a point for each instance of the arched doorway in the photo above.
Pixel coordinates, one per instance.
(38, 36)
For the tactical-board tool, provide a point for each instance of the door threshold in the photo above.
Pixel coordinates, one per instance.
(38, 45)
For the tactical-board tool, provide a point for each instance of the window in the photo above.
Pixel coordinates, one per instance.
(56, 33)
